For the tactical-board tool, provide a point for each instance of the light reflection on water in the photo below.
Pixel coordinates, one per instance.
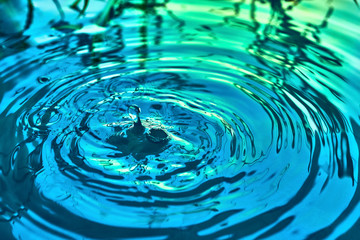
(257, 100)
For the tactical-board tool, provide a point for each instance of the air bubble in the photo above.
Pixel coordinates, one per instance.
(43, 79)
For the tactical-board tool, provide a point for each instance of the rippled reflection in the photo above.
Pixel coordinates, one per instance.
(176, 119)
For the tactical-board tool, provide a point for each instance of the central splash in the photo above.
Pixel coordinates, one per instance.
(138, 140)
(248, 127)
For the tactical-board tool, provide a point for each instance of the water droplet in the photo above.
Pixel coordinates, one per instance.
(134, 113)
(43, 79)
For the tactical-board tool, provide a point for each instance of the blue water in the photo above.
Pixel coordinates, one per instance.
(176, 119)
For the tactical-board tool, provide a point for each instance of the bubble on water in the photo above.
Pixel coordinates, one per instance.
(43, 79)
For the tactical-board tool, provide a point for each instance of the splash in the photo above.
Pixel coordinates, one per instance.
(179, 119)
(137, 139)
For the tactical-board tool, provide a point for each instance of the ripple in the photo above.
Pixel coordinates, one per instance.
(247, 129)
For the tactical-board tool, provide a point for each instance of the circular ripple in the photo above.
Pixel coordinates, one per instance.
(258, 139)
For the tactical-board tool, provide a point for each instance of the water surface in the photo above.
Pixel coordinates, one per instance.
(179, 119)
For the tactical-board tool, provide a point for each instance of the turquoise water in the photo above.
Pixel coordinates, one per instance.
(179, 119)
